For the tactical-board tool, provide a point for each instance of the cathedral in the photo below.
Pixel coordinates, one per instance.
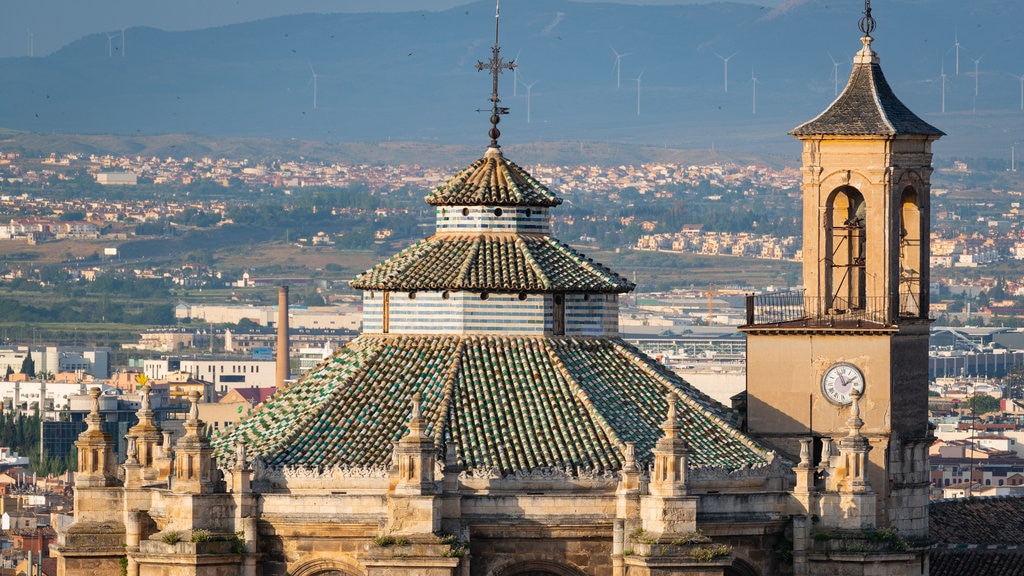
(490, 421)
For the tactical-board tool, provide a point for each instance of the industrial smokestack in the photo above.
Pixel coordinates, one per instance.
(282, 336)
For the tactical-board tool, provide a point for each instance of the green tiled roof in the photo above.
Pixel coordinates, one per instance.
(493, 181)
(502, 262)
(508, 403)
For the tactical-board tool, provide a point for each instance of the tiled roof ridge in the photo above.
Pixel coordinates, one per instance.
(708, 403)
(708, 407)
(254, 425)
(600, 270)
(538, 270)
(878, 85)
(463, 277)
(444, 412)
(585, 399)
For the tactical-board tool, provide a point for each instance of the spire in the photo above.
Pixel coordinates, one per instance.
(496, 65)
(867, 106)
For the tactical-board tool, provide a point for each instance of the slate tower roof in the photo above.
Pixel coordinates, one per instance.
(867, 106)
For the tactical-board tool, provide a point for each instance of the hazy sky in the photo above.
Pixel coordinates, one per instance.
(42, 26)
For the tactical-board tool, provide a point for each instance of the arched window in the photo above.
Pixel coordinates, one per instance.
(910, 254)
(845, 237)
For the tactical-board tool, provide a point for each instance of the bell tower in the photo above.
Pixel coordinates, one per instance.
(857, 335)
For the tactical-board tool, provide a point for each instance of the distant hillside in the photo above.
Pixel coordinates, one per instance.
(411, 76)
(379, 153)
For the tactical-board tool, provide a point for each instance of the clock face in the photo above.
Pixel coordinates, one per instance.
(840, 380)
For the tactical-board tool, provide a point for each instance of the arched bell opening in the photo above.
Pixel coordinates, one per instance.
(911, 253)
(845, 251)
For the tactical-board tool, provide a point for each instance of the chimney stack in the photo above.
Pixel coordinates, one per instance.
(282, 336)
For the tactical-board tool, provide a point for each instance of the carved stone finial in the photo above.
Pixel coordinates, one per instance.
(629, 454)
(417, 426)
(193, 411)
(94, 393)
(855, 423)
(241, 459)
(671, 425)
(145, 398)
(417, 399)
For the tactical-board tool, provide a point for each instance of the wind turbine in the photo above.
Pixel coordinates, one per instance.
(1022, 91)
(976, 62)
(725, 65)
(835, 74)
(943, 76)
(638, 91)
(315, 80)
(529, 98)
(110, 44)
(30, 43)
(753, 79)
(618, 67)
(956, 45)
(124, 48)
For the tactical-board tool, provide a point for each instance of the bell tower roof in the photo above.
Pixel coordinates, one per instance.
(867, 106)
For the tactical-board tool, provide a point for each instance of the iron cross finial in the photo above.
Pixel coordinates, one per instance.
(867, 23)
(496, 65)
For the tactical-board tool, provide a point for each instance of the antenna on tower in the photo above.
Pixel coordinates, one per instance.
(496, 66)
(725, 65)
(618, 66)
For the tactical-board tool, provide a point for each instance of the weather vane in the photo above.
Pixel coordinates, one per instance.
(496, 65)
(867, 23)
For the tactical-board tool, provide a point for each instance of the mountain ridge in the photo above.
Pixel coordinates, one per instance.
(411, 76)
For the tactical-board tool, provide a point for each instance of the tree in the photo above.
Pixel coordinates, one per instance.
(982, 404)
(28, 365)
(10, 371)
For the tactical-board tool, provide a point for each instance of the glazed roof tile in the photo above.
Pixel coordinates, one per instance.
(502, 262)
(493, 181)
(867, 107)
(508, 403)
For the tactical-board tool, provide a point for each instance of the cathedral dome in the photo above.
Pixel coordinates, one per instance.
(510, 338)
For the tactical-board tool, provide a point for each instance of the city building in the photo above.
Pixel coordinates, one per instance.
(491, 421)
